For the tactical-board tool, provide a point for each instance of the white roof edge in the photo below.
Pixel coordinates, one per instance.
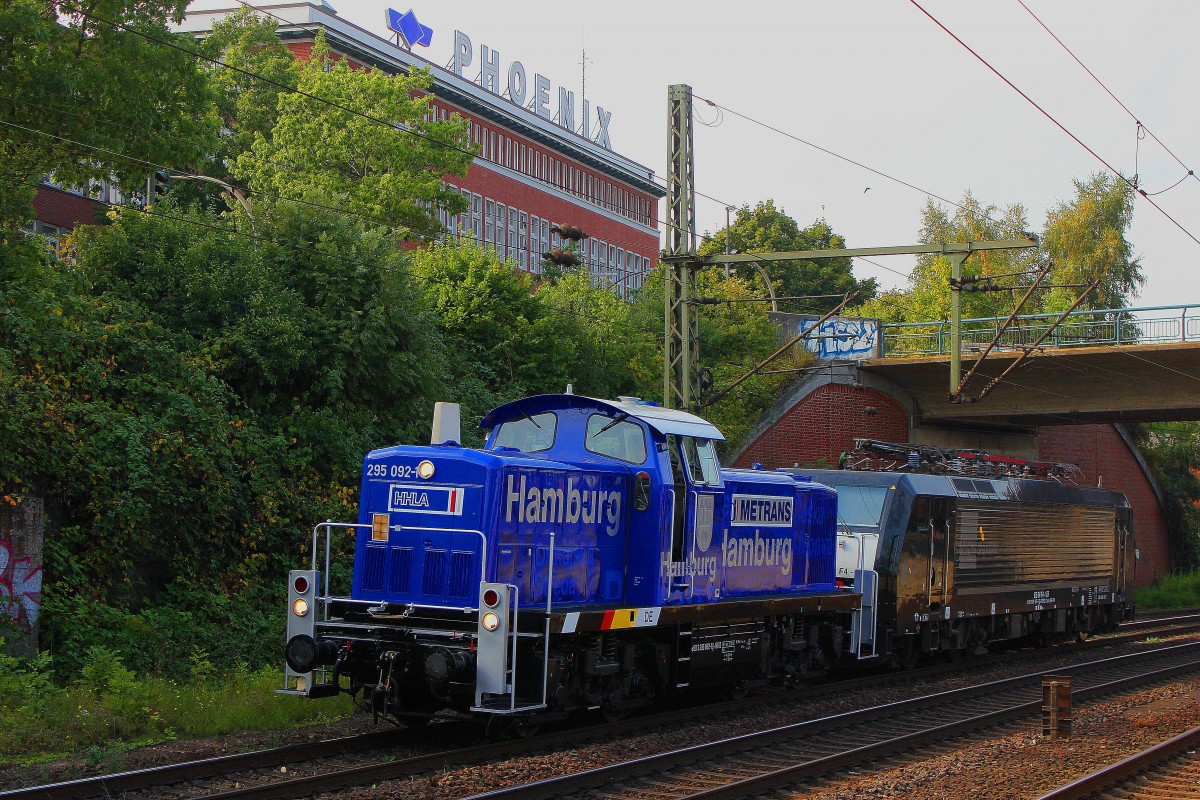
(668, 420)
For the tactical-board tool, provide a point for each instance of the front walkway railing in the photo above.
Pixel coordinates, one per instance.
(1150, 325)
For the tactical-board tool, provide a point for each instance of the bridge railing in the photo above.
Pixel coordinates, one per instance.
(1109, 326)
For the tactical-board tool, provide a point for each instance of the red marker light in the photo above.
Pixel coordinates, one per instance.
(301, 584)
(490, 598)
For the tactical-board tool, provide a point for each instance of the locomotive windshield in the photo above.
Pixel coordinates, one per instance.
(528, 434)
(615, 437)
(861, 505)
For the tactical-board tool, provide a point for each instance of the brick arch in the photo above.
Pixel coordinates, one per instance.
(824, 423)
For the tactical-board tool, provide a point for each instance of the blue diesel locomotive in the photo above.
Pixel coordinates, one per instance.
(593, 554)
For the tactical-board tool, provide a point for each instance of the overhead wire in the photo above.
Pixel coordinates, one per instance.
(1134, 117)
(847, 159)
(1056, 123)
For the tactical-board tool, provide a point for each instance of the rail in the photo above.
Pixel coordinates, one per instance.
(1107, 326)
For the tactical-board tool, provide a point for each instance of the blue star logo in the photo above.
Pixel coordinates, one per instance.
(410, 30)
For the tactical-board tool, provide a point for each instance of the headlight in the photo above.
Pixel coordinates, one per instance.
(491, 621)
(300, 607)
(425, 470)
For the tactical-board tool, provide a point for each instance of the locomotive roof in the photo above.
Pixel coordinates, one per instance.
(1039, 490)
(663, 420)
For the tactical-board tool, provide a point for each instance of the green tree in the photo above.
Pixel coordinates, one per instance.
(84, 100)
(339, 151)
(248, 107)
(605, 341)
(1173, 451)
(1085, 238)
(927, 296)
(504, 343)
(734, 337)
(766, 229)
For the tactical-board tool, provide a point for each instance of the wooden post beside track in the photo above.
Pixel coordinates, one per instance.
(1056, 706)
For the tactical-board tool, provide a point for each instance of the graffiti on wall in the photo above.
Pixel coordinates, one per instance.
(843, 338)
(20, 588)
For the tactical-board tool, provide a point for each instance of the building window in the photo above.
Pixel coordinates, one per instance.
(501, 226)
(489, 223)
(523, 243)
(512, 232)
(477, 218)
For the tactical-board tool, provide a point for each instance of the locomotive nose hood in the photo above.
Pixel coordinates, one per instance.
(421, 541)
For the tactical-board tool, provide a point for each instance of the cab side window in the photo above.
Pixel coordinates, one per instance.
(701, 459)
(615, 437)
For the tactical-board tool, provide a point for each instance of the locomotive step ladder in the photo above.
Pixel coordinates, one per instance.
(498, 636)
(862, 630)
(683, 656)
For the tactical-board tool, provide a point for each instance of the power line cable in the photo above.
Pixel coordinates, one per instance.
(1140, 124)
(1057, 124)
(848, 160)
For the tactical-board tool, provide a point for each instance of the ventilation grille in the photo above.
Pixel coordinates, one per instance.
(462, 571)
(434, 577)
(373, 569)
(401, 572)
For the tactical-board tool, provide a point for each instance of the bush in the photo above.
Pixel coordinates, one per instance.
(1171, 591)
(110, 708)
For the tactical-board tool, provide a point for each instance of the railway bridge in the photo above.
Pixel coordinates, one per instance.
(1038, 390)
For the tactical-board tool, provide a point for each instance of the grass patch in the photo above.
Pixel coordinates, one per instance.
(110, 709)
(1170, 591)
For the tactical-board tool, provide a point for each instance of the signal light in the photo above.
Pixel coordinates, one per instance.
(565, 231)
(301, 584)
(490, 598)
(564, 258)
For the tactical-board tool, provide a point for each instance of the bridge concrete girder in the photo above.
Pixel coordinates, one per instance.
(1120, 383)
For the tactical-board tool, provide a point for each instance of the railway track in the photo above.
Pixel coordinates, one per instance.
(373, 757)
(1170, 771)
(752, 764)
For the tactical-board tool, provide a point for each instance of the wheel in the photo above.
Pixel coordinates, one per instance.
(738, 691)
(612, 713)
(525, 729)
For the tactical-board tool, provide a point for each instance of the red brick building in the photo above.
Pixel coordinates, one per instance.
(534, 168)
(820, 417)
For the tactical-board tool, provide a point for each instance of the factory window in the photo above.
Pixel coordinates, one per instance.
(501, 227)
(529, 434)
(476, 218)
(523, 242)
(615, 437)
(512, 232)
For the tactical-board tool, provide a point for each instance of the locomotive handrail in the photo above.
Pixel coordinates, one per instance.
(329, 525)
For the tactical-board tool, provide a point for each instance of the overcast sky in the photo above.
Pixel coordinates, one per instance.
(878, 82)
